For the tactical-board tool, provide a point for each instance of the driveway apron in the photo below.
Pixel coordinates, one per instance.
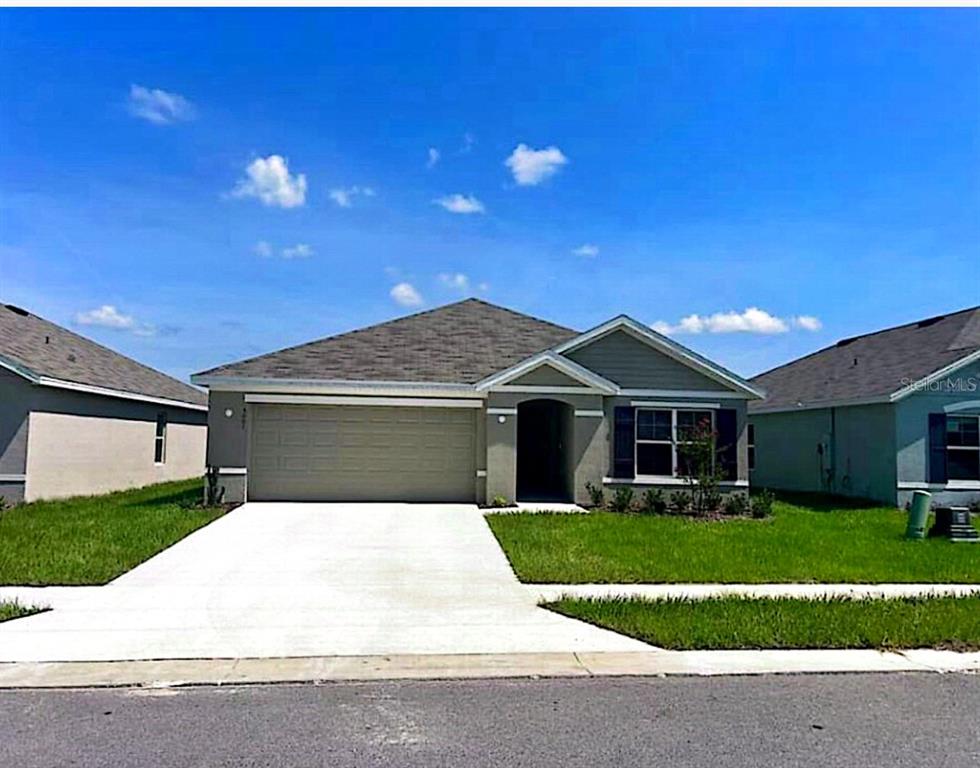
(291, 579)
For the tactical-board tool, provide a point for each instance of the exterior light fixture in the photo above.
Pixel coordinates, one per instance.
(501, 419)
(229, 413)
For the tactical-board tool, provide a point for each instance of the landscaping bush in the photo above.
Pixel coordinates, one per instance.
(597, 499)
(499, 501)
(653, 502)
(762, 504)
(736, 505)
(622, 500)
(680, 502)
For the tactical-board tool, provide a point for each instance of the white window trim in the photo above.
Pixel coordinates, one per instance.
(673, 441)
(972, 448)
(664, 480)
(750, 454)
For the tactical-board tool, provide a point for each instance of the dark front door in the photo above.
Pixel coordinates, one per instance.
(542, 451)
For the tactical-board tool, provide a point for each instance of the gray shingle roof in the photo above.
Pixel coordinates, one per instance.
(41, 348)
(874, 365)
(459, 343)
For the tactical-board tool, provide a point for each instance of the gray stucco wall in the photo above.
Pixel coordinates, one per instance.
(81, 443)
(961, 395)
(630, 363)
(589, 450)
(786, 456)
(858, 456)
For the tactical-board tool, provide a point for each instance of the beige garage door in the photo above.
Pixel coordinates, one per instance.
(357, 453)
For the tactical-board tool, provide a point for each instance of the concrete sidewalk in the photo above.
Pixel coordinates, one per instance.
(170, 673)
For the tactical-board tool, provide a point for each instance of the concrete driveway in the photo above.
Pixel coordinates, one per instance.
(284, 579)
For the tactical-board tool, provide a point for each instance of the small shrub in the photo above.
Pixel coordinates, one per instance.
(653, 502)
(214, 493)
(597, 498)
(736, 505)
(680, 502)
(762, 504)
(499, 501)
(975, 508)
(711, 501)
(4, 504)
(622, 500)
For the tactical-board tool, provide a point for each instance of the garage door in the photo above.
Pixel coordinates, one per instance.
(358, 453)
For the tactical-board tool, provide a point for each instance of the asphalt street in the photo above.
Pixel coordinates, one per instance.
(921, 720)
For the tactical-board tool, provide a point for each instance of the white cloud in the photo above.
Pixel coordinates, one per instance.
(344, 196)
(298, 251)
(107, 316)
(807, 322)
(752, 320)
(434, 155)
(157, 106)
(406, 295)
(468, 141)
(268, 179)
(458, 281)
(587, 249)
(483, 287)
(532, 166)
(266, 250)
(460, 204)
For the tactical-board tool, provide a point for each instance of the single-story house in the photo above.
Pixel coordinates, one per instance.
(465, 403)
(77, 418)
(877, 416)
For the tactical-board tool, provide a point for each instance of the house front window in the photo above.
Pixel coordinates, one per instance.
(160, 439)
(963, 447)
(660, 437)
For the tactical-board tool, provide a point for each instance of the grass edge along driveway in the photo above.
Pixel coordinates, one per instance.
(739, 623)
(11, 609)
(807, 539)
(90, 540)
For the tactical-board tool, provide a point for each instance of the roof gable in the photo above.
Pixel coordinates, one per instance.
(576, 375)
(637, 357)
(42, 352)
(878, 366)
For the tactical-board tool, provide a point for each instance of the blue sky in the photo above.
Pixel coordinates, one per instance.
(192, 187)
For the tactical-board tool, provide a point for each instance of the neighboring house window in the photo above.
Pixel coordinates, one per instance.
(659, 436)
(160, 440)
(751, 447)
(963, 447)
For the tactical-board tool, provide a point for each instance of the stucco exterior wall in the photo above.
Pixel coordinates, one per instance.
(589, 451)
(858, 458)
(959, 395)
(85, 444)
(786, 456)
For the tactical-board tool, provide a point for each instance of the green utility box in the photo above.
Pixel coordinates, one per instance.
(918, 513)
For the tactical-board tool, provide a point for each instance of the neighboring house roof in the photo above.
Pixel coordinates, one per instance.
(459, 343)
(48, 354)
(875, 366)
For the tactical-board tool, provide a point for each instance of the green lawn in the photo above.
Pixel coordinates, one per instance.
(14, 610)
(808, 540)
(93, 539)
(733, 622)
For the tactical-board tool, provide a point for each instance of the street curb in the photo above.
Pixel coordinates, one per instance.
(190, 672)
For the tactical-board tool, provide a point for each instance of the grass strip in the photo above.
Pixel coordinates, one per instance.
(728, 623)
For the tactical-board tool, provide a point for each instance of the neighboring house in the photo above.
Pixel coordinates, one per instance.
(77, 418)
(877, 416)
(465, 403)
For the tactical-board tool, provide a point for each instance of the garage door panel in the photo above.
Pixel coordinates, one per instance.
(309, 452)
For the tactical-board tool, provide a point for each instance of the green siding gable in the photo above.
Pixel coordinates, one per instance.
(632, 364)
(545, 375)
